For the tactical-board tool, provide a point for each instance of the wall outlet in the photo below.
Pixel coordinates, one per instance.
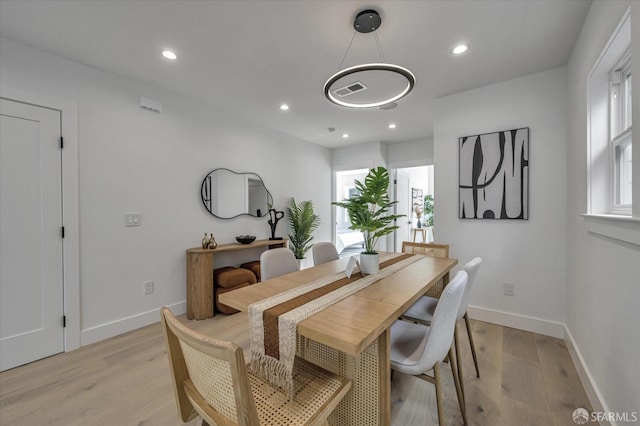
(133, 219)
(508, 289)
(147, 287)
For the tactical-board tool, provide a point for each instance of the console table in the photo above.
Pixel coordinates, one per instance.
(200, 275)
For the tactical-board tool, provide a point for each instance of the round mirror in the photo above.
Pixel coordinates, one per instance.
(227, 194)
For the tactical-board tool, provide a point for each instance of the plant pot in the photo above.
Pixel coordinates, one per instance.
(369, 263)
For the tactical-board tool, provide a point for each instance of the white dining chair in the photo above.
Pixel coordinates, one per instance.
(276, 262)
(422, 311)
(417, 348)
(324, 252)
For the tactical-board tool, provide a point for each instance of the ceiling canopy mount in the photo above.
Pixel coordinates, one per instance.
(367, 21)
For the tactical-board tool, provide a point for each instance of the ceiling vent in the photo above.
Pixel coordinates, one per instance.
(350, 89)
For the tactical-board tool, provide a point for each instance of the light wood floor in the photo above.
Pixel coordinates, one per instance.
(526, 379)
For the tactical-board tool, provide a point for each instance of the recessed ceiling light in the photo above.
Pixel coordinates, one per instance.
(284, 107)
(460, 49)
(345, 135)
(392, 126)
(169, 55)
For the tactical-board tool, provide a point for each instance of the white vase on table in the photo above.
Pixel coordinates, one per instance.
(369, 263)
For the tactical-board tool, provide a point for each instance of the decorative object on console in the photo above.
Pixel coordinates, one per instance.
(205, 241)
(494, 175)
(227, 194)
(274, 218)
(303, 222)
(369, 212)
(245, 239)
(212, 242)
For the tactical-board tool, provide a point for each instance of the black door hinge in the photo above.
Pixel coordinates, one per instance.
(395, 181)
(62, 231)
(61, 142)
(64, 321)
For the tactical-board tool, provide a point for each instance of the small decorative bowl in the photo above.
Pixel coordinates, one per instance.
(246, 239)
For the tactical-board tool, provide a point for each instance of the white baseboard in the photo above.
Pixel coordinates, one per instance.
(521, 322)
(123, 325)
(593, 393)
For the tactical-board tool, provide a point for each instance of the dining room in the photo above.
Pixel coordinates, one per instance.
(157, 123)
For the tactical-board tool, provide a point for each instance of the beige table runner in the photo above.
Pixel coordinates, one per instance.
(273, 321)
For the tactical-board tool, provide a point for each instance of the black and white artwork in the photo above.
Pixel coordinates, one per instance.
(416, 199)
(494, 175)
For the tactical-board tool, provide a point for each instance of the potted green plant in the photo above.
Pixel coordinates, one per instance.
(303, 221)
(428, 210)
(369, 212)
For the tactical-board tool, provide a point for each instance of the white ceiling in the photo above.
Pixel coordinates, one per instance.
(249, 56)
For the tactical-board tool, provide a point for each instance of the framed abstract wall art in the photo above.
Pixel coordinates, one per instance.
(416, 199)
(494, 175)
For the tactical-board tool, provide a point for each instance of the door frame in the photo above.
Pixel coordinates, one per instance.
(395, 198)
(334, 172)
(70, 203)
(393, 170)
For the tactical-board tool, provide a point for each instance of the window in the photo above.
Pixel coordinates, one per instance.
(620, 137)
(609, 117)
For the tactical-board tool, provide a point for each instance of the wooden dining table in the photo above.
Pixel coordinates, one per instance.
(351, 337)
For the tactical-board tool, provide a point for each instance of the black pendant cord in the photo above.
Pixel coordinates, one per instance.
(347, 51)
(379, 47)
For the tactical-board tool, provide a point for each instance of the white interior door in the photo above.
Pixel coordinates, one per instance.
(403, 197)
(31, 271)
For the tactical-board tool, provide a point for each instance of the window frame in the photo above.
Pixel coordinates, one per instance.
(620, 129)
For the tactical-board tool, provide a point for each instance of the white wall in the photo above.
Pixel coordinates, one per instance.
(362, 156)
(410, 154)
(132, 160)
(529, 253)
(603, 285)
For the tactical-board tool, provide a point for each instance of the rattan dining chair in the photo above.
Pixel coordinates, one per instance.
(276, 262)
(423, 311)
(211, 380)
(433, 250)
(324, 252)
(427, 249)
(417, 348)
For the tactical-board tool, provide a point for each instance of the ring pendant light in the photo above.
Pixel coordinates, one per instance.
(367, 21)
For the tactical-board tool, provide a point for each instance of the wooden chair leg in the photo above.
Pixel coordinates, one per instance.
(456, 382)
(473, 347)
(456, 342)
(438, 383)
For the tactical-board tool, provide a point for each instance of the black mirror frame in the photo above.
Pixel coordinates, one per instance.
(204, 203)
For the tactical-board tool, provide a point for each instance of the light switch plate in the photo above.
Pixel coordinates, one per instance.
(509, 289)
